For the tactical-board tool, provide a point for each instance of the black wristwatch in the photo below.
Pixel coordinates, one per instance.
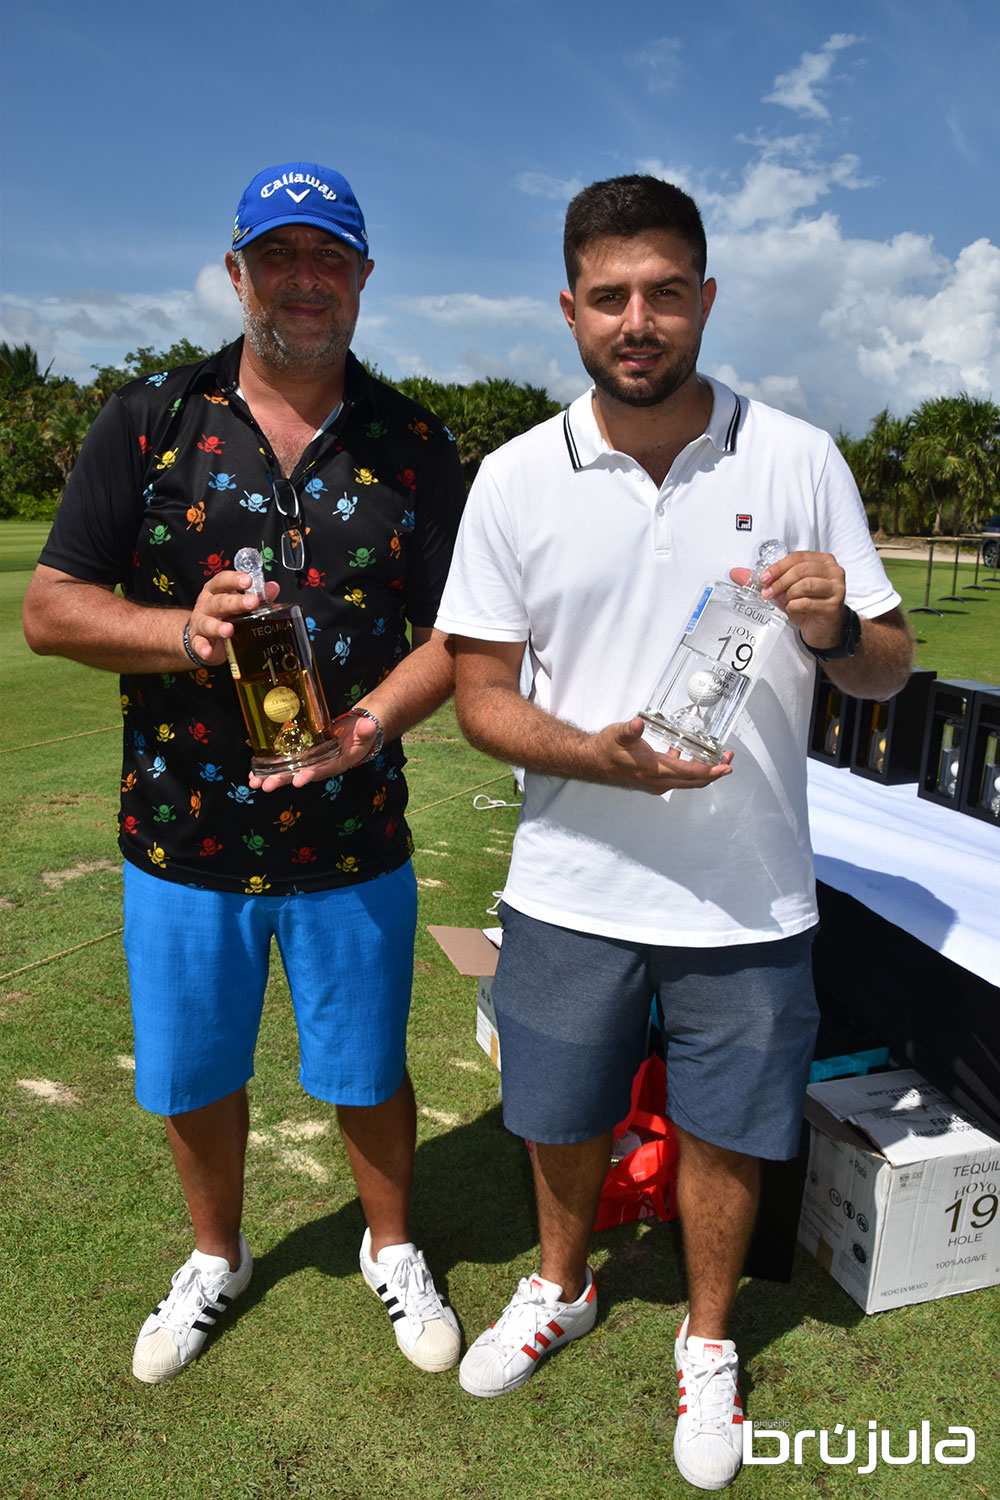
(850, 643)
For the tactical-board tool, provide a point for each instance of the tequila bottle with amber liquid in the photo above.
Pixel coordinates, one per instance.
(277, 683)
(703, 689)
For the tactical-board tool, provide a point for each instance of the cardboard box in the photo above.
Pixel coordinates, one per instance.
(472, 953)
(902, 1195)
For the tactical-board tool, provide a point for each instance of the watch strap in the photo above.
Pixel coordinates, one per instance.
(379, 741)
(850, 643)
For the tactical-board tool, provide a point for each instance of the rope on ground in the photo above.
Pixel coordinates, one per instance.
(40, 744)
(411, 812)
(115, 932)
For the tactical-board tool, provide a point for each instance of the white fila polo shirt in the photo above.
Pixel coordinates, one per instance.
(569, 547)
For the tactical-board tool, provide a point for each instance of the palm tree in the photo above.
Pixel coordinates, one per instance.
(954, 451)
(977, 442)
(876, 460)
(64, 430)
(930, 460)
(19, 369)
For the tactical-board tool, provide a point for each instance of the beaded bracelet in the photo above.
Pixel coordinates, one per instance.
(186, 638)
(364, 713)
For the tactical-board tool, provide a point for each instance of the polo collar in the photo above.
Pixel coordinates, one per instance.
(222, 369)
(586, 446)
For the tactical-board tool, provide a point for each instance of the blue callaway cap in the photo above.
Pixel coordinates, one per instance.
(300, 192)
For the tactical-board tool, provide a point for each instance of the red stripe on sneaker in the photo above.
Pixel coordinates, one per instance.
(737, 1420)
(592, 1293)
(555, 1328)
(681, 1410)
(541, 1339)
(527, 1349)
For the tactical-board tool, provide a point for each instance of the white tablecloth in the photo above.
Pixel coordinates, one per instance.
(928, 869)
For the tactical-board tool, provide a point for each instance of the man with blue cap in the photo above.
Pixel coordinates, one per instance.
(352, 495)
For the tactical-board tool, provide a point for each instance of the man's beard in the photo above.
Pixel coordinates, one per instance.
(638, 389)
(284, 352)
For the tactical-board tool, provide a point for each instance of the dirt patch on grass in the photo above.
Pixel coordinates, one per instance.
(52, 1093)
(54, 880)
(54, 802)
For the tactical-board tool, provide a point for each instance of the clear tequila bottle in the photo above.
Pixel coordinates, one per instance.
(277, 683)
(703, 689)
(989, 793)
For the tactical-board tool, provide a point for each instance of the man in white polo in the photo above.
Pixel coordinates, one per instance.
(583, 546)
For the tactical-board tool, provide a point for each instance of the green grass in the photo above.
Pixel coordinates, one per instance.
(21, 543)
(964, 639)
(303, 1395)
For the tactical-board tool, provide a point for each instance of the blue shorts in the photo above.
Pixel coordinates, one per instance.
(198, 965)
(739, 1027)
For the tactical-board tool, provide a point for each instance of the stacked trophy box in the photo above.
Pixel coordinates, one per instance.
(942, 733)
(831, 727)
(888, 738)
(960, 762)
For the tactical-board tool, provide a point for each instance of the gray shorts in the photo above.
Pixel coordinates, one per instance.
(738, 1024)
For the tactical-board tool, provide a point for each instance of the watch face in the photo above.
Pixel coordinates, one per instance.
(852, 634)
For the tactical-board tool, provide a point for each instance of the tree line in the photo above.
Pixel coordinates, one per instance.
(933, 472)
(44, 419)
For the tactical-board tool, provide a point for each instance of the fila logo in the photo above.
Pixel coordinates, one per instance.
(744, 523)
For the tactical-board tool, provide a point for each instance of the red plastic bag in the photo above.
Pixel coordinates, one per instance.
(643, 1185)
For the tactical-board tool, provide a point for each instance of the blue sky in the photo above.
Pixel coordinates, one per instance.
(844, 157)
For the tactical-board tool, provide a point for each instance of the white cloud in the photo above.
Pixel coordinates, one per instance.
(826, 325)
(800, 89)
(544, 185)
(853, 325)
(961, 141)
(217, 302)
(536, 364)
(783, 391)
(659, 63)
(450, 359)
(924, 345)
(80, 329)
(471, 307)
(680, 176)
(773, 190)
(785, 178)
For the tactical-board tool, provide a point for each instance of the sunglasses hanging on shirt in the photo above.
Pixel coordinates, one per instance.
(293, 538)
(286, 498)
